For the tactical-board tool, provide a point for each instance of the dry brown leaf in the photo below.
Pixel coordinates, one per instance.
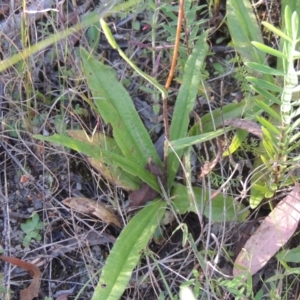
(91, 207)
(271, 235)
(247, 125)
(33, 289)
(146, 193)
(142, 196)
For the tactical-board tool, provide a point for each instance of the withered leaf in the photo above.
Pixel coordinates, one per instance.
(141, 196)
(276, 229)
(146, 193)
(33, 289)
(91, 207)
(247, 125)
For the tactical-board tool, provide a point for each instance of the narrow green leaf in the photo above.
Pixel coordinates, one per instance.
(126, 252)
(221, 208)
(269, 50)
(276, 31)
(116, 108)
(264, 84)
(114, 44)
(113, 174)
(288, 19)
(269, 109)
(186, 100)
(243, 29)
(267, 95)
(295, 25)
(236, 142)
(264, 69)
(107, 157)
(270, 127)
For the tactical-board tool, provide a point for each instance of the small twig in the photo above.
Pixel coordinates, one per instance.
(177, 43)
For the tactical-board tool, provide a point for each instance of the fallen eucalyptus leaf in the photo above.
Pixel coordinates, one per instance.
(271, 235)
(33, 289)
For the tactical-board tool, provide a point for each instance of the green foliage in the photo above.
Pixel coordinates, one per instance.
(221, 209)
(116, 108)
(32, 229)
(192, 26)
(185, 101)
(277, 93)
(278, 130)
(126, 252)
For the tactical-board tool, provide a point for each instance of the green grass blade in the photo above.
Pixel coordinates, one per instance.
(127, 251)
(116, 108)
(197, 139)
(114, 44)
(88, 20)
(185, 100)
(107, 157)
(268, 97)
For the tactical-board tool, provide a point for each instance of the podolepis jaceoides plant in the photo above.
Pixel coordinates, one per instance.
(130, 150)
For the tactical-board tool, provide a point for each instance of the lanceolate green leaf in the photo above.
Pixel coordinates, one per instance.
(247, 109)
(112, 173)
(127, 251)
(244, 29)
(107, 157)
(264, 84)
(116, 108)
(264, 69)
(269, 50)
(271, 110)
(221, 208)
(185, 100)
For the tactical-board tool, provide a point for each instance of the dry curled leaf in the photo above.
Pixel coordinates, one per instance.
(247, 125)
(91, 207)
(276, 229)
(33, 289)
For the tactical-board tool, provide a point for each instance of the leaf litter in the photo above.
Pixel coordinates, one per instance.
(91, 207)
(273, 233)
